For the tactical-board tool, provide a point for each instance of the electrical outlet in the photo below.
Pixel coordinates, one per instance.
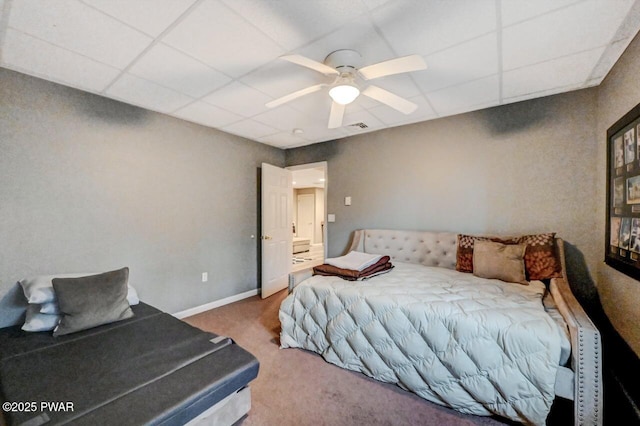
(205, 277)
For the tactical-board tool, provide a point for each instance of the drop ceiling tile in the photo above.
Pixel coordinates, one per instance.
(32, 56)
(465, 62)
(400, 84)
(318, 131)
(519, 10)
(465, 96)
(81, 29)
(279, 78)
(360, 35)
(70, 41)
(283, 118)
(315, 128)
(610, 56)
(173, 69)
(219, 37)
(392, 117)
(138, 91)
(374, 4)
(566, 71)
(544, 93)
(250, 129)
(583, 26)
(424, 27)
(145, 15)
(208, 115)
(629, 27)
(283, 140)
(360, 117)
(362, 103)
(292, 23)
(592, 82)
(239, 98)
(314, 104)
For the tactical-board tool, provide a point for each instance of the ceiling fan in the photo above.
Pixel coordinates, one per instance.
(350, 81)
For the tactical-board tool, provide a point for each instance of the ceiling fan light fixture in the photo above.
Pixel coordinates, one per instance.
(344, 94)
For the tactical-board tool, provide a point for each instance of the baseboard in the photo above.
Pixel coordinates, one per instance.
(215, 304)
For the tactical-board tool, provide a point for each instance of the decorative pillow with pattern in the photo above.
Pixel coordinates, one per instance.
(540, 259)
(464, 257)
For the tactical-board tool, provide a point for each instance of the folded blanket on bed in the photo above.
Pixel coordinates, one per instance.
(381, 266)
(354, 260)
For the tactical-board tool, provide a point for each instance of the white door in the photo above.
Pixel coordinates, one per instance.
(306, 216)
(277, 233)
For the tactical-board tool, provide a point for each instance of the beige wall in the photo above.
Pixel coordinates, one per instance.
(620, 294)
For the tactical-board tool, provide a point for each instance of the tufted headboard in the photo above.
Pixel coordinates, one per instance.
(422, 247)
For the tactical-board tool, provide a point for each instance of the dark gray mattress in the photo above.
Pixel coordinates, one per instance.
(149, 369)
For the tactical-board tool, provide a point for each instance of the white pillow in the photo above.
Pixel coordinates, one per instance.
(36, 321)
(50, 308)
(39, 289)
(132, 296)
(53, 308)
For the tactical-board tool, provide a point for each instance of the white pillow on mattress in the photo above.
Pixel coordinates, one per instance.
(37, 321)
(50, 308)
(39, 289)
(53, 308)
(132, 296)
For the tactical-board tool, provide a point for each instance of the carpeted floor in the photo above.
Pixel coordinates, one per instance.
(297, 387)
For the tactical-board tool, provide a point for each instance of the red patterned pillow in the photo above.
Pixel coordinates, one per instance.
(540, 259)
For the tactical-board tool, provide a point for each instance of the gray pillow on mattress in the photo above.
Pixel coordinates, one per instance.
(88, 302)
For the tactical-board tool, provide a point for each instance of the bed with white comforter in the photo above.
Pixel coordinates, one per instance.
(479, 346)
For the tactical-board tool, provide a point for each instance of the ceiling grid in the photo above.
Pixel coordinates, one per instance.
(217, 62)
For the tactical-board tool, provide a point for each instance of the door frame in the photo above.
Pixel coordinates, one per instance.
(325, 168)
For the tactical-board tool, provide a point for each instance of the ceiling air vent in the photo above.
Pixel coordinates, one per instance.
(360, 125)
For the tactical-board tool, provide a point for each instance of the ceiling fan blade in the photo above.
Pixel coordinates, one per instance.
(294, 95)
(390, 99)
(310, 63)
(335, 118)
(393, 66)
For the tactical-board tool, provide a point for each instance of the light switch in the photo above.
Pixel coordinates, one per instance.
(331, 218)
(347, 201)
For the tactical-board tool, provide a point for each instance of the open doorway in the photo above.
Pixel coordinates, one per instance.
(308, 215)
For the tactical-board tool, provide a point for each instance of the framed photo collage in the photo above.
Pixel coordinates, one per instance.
(623, 195)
